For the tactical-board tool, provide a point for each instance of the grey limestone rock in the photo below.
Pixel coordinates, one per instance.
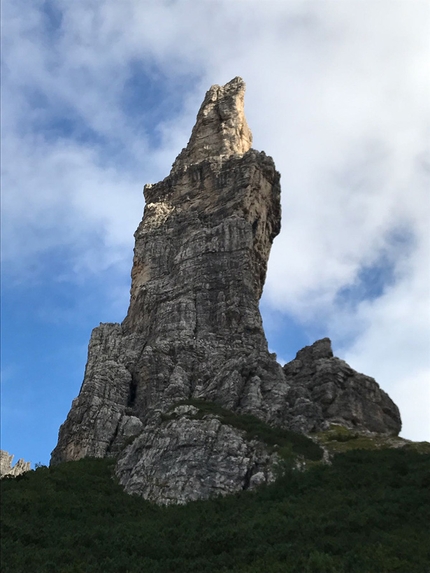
(193, 328)
(324, 390)
(99, 420)
(194, 331)
(185, 459)
(6, 468)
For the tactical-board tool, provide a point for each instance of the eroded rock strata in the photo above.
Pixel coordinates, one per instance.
(193, 331)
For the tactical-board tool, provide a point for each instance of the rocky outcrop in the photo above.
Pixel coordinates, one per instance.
(6, 468)
(183, 458)
(193, 331)
(324, 390)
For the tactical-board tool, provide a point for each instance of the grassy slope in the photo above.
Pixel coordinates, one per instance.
(367, 512)
(288, 445)
(339, 440)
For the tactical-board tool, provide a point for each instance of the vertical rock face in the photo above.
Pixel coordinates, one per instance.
(193, 328)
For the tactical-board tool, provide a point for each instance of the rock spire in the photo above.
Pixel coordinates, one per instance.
(193, 332)
(221, 130)
(6, 468)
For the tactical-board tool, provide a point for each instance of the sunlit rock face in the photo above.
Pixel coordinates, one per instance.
(221, 130)
(193, 328)
(6, 467)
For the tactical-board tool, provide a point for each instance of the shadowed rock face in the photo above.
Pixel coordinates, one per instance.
(194, 330)
(324, 389)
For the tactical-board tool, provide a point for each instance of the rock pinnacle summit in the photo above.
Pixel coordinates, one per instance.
(193, 333)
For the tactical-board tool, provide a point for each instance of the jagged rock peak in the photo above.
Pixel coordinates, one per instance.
(326, 390)
(319, 349)
(6, 468)
(221, 129)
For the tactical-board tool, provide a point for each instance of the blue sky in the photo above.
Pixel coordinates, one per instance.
(98, 98)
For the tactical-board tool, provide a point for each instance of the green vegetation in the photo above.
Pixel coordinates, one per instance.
(339, 439)
(287, 444)
(368, 512)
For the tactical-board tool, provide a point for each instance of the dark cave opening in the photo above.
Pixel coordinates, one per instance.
(132, 392)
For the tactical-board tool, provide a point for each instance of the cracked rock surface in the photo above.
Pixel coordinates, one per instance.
(194, 331)
(193, 328)
(185, 459)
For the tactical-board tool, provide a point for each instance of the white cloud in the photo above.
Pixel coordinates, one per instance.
(338, 93)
